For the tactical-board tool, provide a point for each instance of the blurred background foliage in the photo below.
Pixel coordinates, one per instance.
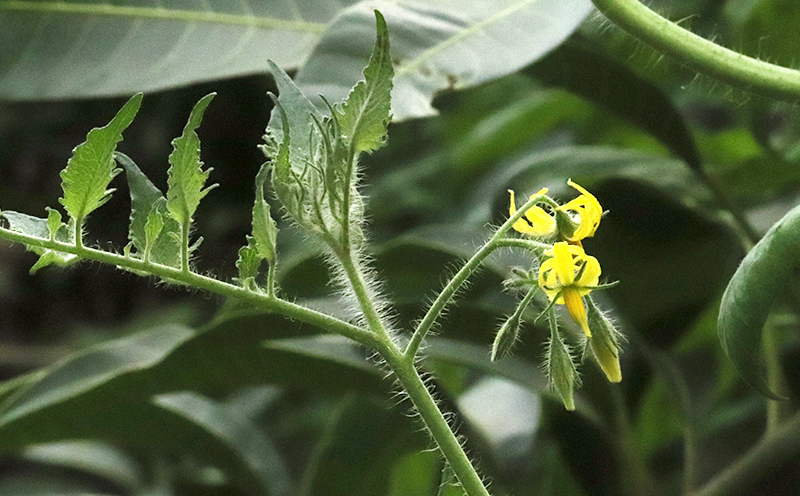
(118, 386)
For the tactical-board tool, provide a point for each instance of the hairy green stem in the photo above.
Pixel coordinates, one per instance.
(409, 378)
(440, 430)
(192, 279)
(773, 451)
(469, 268)
(705, 56)
(185, 246)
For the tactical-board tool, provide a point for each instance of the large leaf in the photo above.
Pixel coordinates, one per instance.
(439, 45)
(356, 454)
(80, 49)
(242, 437)
(761, 279)
(77, 49)
(618, 89)
(239, 352)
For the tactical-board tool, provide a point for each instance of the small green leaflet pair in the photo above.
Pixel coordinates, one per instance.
(159, 226)
(313, 157)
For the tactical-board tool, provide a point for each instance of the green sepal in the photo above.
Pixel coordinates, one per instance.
(759, 281)
(186, 178)
(561, 368)
(165, 250)
(91, 168)
(40, 228)
(364, 116)
(506, 337)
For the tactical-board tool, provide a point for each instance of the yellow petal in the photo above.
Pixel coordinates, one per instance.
(589, 210)
(564, 265)
(574, 302)
(590, 275)
(539, 223)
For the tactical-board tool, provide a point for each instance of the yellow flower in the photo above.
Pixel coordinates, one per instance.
(537, 222)
(588, 209)
(568, 275)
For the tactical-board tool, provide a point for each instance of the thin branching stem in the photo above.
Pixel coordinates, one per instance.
(192, 279)
(469, 268)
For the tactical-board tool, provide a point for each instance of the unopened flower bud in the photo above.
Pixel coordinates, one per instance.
(561, 370)
(506, 337)
(604, 342)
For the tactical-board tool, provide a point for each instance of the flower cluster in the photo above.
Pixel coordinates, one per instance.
(568, 275)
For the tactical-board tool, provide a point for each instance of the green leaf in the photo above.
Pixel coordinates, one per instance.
(439, 45)
(243, 438)
(98, 459)
(265, 230)
(41, 228)
(86, 395)
(154, 226)
(186, 177)
(363, 117)
(85, 49)
(144, 195)
(759, 281)
(293, 121)
(249, 261)
(594, 76)
(359, 448)
(90, 170)
(92, 369)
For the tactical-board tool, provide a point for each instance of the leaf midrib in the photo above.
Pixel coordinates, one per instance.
(415, 63)
(164, 14)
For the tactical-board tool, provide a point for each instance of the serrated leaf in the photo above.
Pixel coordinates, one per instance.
(293, 120)
(243, 438)
(90, 170)
(249, 261)
(363, 117)
(144, 195)
(759, 281)
(186, 177)
(265, 230)
(40, 228)
(154, 226)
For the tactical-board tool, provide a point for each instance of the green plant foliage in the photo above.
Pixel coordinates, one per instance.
(364, 115)
(90, 170)
(265, 230)
(145, 197)
(243, 438)
(751, 293)
(439, 46)
(186, 177)
(42, 228)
